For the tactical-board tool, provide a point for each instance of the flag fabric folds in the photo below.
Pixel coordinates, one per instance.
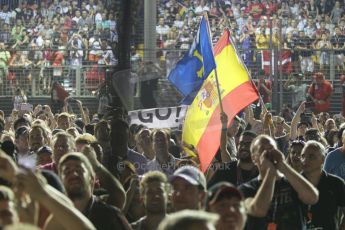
(285, 61)
(202, 126)
(190, 72)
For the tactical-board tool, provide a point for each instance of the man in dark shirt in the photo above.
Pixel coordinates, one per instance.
(274, 199)
(78, 177)
(331, 189)
(241, 170)
(338, 41)
(303, 46)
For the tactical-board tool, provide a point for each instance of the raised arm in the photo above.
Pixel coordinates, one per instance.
(58, 204)
(296, 118)
(117, 195)
(84, 116)
(307, 193)
(225, 155)
(259, 205)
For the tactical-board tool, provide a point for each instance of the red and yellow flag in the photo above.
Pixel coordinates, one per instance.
(202, 126)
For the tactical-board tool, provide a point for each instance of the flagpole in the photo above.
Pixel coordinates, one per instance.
(215, 70)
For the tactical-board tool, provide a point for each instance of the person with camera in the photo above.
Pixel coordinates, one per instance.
(298, 89)
(274, 199)
(320, 92)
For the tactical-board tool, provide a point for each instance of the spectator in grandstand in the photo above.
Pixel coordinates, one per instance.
(5, 34)
(329, 25)
(320, 92)
(153, 190)
(338, 42)
(162, 29)
(324, 44)
(202, 7)
(247, 44)
(310, 29)
(262, 42)
(303, 46)
(322, 29)
(324, 7)
(255, 8)
(4, 59)
(47, 71)
(265, 88)
(5, 14)
(337, 12)
(18, 99)
(284, 10)
(17, 31)
(292, 27)
(107, 57)
(95, 51)
(276, 177)
(76, 45)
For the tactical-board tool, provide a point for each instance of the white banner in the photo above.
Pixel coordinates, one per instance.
(170, 117)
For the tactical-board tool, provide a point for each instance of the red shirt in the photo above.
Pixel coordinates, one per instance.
(321, 92)
(271, 8)
(58, 59)
(256, 10)
(265, 96)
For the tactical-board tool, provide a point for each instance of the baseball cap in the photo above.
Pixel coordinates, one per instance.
(191, 174)
(21, 131)
(222, 190)
(45, 149)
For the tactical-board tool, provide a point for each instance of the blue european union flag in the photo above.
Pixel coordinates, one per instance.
(190, 72)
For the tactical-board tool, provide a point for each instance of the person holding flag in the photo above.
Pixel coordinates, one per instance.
(202, 126)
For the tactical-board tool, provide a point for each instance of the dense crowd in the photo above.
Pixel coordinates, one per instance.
(297, 26)
(76, 170)
(49, 41)
(64, 169)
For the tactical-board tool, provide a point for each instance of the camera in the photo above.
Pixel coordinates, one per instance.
(309, 104)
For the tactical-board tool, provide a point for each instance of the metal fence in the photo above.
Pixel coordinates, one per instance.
(276, 64)
(83, 80)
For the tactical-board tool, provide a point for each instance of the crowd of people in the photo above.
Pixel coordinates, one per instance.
(61, 169)
(49, 41)
(310, 30)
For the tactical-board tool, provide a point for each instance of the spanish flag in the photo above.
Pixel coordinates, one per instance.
(202, 126)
